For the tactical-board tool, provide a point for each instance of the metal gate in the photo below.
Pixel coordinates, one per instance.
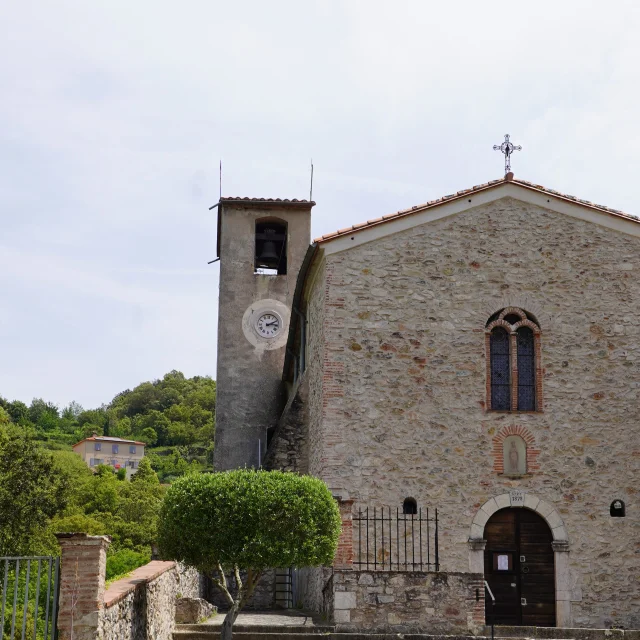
(29, 597)
(287, 581)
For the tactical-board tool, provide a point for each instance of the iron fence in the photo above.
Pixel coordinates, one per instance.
(396, 541)
(29, 597)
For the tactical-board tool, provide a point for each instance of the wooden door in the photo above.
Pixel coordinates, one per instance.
(519, 567)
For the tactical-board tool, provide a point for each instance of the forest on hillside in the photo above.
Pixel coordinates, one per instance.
(174, 416)
(45, 488)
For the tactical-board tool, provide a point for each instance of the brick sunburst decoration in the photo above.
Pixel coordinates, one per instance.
(532, 451)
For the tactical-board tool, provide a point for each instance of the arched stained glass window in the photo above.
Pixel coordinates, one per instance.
(513, 368)
(500, 370)
(526, 370)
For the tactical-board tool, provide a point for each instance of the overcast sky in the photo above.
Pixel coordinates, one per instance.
(114, 115)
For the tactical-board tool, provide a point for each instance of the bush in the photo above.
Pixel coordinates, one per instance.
(248, 520)
(123, 561)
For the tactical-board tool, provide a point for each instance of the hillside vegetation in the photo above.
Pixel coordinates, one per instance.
(46, 488)
(174, 416)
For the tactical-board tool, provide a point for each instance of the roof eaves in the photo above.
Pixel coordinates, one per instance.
(404, 212)
(465, 192)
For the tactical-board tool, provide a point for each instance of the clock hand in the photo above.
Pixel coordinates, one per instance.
(269, 324)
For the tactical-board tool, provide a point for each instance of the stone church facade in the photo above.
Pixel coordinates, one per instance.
(479, 355)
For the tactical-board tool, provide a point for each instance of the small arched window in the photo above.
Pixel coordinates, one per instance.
(513, 361)
(410, 506)
(617, 509)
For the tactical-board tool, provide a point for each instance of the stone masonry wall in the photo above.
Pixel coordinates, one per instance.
(288, 447)
(142, 606)
(394, 601)
(397, 388)
(263, 597)
(315, 353)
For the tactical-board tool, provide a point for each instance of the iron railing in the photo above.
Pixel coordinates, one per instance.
(388, 541)
(29, 597)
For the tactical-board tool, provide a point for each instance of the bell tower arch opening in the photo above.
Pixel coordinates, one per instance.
(271, 247)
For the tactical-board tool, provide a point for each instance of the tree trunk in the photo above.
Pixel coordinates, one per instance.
(229, 620)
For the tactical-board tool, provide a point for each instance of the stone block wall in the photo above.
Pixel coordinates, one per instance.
(397, 601)
(138, 607)
(142, 606)
(288, 449)
(264, 595)
(397, 384)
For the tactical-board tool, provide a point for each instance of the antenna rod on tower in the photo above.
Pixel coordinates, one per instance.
(311, 187)
(220, 178)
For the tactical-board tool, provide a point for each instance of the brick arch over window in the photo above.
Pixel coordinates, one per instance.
(513, 361)
(498, 447)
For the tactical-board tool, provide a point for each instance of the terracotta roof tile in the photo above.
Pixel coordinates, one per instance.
(478, 187)
(267, 200)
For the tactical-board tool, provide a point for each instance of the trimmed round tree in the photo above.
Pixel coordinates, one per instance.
(246, 521)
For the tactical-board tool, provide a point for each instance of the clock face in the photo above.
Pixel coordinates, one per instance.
(268, 325)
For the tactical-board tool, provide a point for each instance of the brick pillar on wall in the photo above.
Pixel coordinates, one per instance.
(83, 566)
(344, 554)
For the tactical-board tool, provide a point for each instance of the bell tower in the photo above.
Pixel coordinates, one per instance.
(261, 246)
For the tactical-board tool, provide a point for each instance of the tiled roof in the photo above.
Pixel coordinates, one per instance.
(461, 194)
(268, 200)
(109, 439)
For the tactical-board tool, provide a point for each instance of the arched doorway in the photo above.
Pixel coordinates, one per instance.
(519, 568)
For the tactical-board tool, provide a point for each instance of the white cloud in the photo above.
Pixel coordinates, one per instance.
(114, 117)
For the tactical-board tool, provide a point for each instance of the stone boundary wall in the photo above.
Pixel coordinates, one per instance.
(404, 601)
(139, 607)
(142, 606)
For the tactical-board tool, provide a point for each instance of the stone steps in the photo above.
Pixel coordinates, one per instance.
(284, 632)
(253, 632)
(211, 631)
(557, 633)
(300, 632)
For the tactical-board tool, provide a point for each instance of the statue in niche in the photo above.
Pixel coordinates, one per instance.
(514, 456)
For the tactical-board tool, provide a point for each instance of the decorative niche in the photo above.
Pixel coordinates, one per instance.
(515, 452)
(514, 456)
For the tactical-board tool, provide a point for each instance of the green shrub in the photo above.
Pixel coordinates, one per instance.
(123, 561)
(248, 520)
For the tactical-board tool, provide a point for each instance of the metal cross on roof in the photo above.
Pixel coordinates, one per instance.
(507, 147)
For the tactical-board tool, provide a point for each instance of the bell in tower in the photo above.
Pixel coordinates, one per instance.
(271, 248)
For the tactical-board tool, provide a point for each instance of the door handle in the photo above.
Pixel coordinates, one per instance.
(523, 602)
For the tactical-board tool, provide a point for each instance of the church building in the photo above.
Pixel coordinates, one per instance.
(468, 368)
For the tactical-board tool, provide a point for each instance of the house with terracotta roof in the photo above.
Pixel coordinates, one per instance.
(115, 452)
(465, 377)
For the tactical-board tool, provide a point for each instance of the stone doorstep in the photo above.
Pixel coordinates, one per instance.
(558, 633)
(257, 635)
